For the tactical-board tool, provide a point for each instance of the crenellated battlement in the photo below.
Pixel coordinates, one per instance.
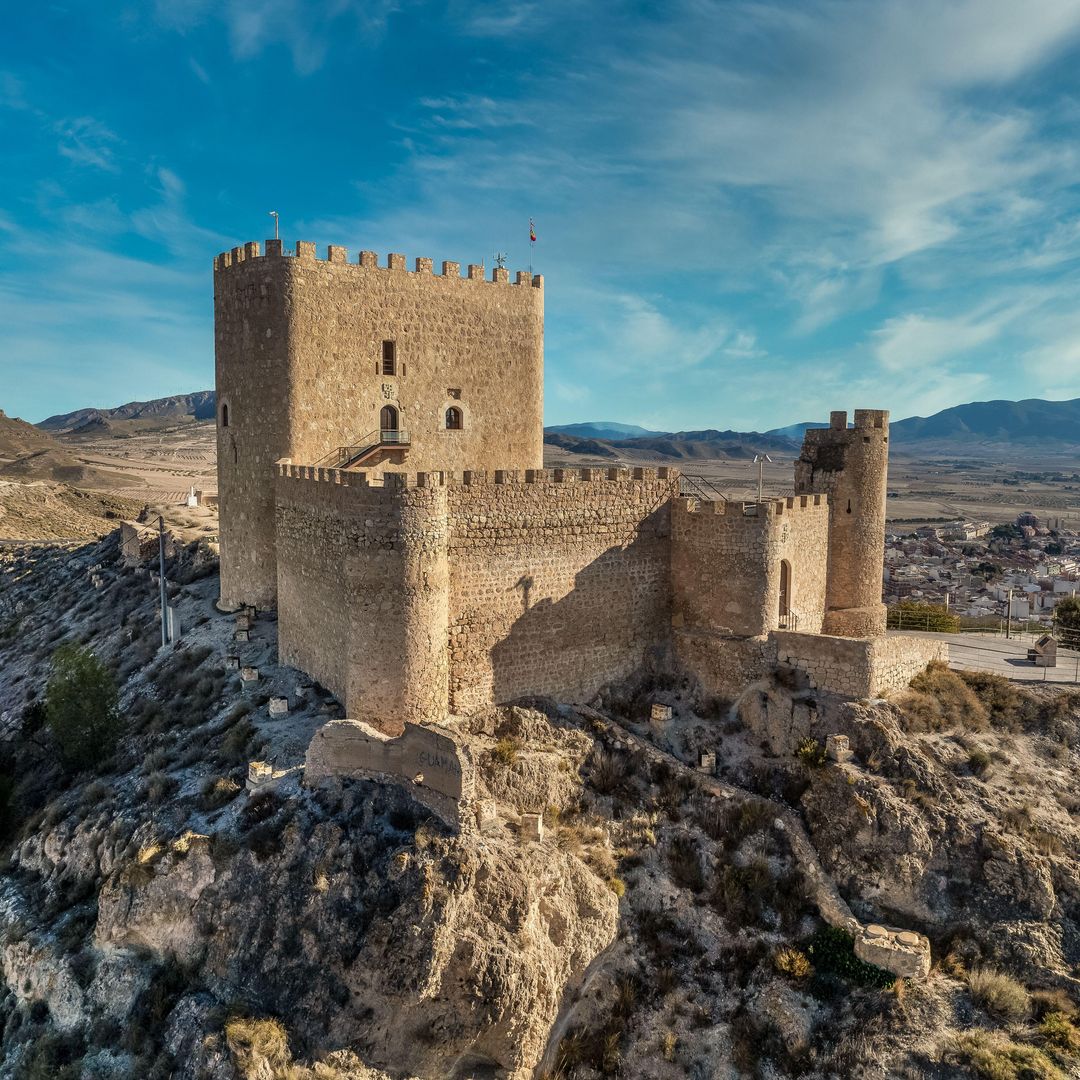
(398, 481)
(305, 252)
(751, 511)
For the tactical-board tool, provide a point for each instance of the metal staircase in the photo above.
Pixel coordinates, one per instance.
(349, 457)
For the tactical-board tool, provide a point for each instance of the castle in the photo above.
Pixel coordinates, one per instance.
(381, 480)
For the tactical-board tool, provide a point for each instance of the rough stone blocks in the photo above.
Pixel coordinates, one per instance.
(837, 748)
(904, 953)
(249, 674)
(531, 827)
(279, 706)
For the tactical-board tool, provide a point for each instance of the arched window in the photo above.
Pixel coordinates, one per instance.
(454, 419)
(224, 415)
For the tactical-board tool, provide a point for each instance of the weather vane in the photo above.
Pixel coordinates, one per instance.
(500, 259)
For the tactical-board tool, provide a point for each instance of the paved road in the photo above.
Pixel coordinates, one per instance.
(1002, 656)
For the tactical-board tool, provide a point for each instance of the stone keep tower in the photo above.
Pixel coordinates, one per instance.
(850, 465)
(356, 365)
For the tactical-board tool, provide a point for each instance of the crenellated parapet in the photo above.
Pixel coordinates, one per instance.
(305, 252)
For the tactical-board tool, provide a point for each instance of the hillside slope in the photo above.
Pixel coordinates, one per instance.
(157, 921)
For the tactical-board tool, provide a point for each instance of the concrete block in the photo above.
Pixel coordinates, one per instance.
(531, 827)
(660, 714)
(232, 663)
(241, 635)
(279, 706)
(249, 674)
(243, 622)
(707, 762)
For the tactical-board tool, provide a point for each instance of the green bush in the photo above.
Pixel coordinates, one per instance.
(81, 707)
(832, 952)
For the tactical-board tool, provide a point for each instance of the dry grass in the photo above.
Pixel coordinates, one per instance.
(999, 994)
(990, 1055)
(940, 699)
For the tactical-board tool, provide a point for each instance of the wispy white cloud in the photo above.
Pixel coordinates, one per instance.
(87, 141)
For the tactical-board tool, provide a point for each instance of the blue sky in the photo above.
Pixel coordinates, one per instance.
(748, 213)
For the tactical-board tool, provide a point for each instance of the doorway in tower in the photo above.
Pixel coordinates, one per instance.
(787, 616)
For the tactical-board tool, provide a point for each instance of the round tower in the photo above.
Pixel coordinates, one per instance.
(850, 465)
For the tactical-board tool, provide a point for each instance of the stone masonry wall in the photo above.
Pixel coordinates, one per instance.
(558, 585)
(299, 368)
(363, 585)
(408, 595)
(726, 563)
(857, 667)
(850, 465)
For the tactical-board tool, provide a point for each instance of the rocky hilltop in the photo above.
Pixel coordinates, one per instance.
(157, 919)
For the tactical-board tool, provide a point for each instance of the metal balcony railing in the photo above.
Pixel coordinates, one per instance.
(788, 621)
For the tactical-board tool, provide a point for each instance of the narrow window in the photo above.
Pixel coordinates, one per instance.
(453, 419)
(224, 415)
(389, 358)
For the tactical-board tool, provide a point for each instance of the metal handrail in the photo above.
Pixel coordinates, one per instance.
(788, 621)
(340, 456)
(700, 486)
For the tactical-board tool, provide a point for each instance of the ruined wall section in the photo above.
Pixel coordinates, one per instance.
(558, 584)
(363, 586)
(851, 466)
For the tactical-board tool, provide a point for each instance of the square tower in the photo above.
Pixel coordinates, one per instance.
(357, 365)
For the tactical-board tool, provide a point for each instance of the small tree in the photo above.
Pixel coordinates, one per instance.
(81, 706)
(1067, 618)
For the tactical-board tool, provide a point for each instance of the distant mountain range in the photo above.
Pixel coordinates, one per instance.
(602, 429)
(987, 425)
(1030, 421)
(1053, 425)
(179, 408)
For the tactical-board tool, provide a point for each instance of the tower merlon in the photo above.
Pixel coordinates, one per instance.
(337, 254)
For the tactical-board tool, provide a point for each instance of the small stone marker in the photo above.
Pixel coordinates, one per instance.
(232, 663)
(249, 674)
(660, 714)
(837, 748)
(260, 773)
(243, 622)
(531, 827)
(707, 762)
(486, 814)
(279, 706)
(241, 635)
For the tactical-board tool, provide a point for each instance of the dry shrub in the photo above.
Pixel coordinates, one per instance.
(609, 773)
(991, 1055)
(999, 994)
(259, 1047)
(793, 962)
(216, 791)
(940, 698)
